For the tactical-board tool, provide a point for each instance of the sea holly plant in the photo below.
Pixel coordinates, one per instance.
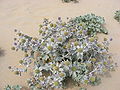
(15, 87)
(92, 23)
(83, 89)
(63, 49)
(117, 15)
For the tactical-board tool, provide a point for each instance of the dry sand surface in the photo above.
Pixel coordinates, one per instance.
(26, 15)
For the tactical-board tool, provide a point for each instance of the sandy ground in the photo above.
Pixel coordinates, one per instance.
(26, 15)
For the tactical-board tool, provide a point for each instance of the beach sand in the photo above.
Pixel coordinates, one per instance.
(26, 15)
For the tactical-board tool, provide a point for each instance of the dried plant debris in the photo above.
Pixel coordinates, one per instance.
(63, 50)
(117, 15)
(15, 87)
(92, 23)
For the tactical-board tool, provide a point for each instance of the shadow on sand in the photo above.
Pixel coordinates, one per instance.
(2, 52)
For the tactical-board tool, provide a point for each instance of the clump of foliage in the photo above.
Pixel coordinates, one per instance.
(67, 1)
(83, 89)
(15, 87)
(92, 23)
(117, 15)
(63, 50)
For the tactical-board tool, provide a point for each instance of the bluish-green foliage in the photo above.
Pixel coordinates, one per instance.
(92, 23)
(14, 87)
(117, 15)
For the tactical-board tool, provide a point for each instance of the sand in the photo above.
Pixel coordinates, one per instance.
(26, 15)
